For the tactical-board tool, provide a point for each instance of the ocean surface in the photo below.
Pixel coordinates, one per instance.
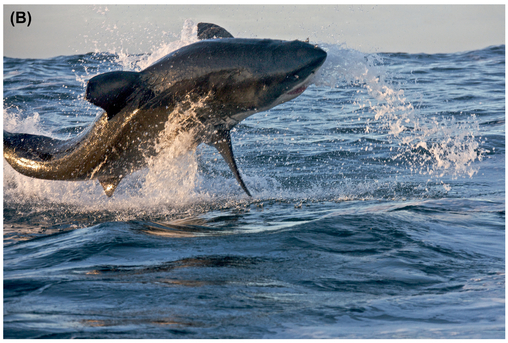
(378, 210)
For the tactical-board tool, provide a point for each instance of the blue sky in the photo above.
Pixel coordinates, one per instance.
(74, 29)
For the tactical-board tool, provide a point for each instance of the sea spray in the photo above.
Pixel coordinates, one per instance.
(428, 145)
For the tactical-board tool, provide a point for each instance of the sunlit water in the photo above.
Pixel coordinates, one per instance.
(378, 210)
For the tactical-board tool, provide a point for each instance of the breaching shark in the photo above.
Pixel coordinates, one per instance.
(231, 79)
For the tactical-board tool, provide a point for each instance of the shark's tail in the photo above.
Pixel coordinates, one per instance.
(28, 146)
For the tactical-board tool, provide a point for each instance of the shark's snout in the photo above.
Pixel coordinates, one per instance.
(308, 54)
(305, 60)
(319, 56)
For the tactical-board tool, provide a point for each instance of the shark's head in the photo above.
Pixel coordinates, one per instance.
(244, 76)
(284, 71)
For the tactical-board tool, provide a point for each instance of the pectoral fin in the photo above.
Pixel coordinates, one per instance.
(222, 142)
(109, 184)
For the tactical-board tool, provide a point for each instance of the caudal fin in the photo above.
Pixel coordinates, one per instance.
(32, 147)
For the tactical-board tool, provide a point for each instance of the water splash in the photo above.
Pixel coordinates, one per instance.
(14, 120)
(435, 146)
(430, 146)
(130, 62)
(171, 184)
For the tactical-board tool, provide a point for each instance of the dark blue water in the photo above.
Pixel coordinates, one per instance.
(378, 211)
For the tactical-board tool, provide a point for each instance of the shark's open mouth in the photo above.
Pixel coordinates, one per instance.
(298, 90)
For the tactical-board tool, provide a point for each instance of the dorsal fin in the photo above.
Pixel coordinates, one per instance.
(222, 142)
(109, 183)
(211, 31)
(111, 90)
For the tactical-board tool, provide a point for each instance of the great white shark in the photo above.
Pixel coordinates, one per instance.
(230, 78)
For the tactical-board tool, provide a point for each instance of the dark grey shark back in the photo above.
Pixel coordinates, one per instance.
(233, 77)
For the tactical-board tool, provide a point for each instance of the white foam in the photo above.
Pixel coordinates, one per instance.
(188, 35)
(450, 146)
